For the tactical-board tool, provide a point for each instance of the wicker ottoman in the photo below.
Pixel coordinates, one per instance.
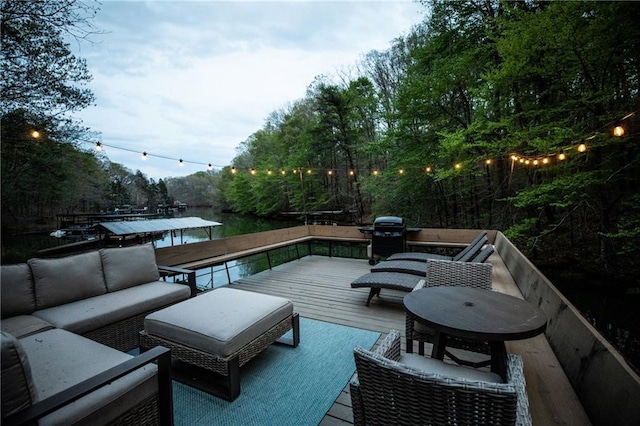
(220, 331)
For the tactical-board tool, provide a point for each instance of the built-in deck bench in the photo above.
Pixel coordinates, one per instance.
(549, 389)
(217, 252)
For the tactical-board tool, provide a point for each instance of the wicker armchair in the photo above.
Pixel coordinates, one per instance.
(445, 273)
(395, 389)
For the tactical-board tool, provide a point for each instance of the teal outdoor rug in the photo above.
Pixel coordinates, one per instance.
(282, 385)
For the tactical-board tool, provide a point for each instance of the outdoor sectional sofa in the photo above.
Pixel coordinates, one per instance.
(70, 320)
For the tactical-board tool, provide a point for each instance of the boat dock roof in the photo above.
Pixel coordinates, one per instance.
(128, 227)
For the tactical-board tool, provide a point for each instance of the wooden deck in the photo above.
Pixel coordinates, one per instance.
(320, 289)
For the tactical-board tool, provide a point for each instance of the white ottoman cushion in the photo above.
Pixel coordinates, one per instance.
(219, 322)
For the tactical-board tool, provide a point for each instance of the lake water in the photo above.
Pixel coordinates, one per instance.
(614, 314)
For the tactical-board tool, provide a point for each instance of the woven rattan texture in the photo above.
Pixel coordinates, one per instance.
(386, 392)
(145, 413)
(122, 335)
(214, 362)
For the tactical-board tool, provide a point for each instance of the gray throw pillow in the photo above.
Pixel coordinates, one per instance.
(129, 266)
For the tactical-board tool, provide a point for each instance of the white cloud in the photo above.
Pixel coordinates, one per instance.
(194, 79)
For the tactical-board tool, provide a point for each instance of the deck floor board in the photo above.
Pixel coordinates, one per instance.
(320, 289)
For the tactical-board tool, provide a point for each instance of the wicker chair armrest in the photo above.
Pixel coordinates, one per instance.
(515, 376)
(390, 346)
(46, 406)
(357, 406)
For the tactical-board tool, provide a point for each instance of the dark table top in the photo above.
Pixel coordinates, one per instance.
(475, 313)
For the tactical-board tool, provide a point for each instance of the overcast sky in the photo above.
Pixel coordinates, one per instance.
(192, 80)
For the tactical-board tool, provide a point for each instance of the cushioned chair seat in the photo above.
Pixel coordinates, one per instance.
(219, 322)
(93, 313)
(24, 325)
(55, 367)
(388, 280)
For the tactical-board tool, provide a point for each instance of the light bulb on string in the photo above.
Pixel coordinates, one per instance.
(181, 162)
(618, 130)
(582, 147)
(35, 134)
(209, 167)
(144, 155)
(98, 146)
(562, 156)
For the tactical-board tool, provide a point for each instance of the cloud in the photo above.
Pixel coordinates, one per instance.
(194, 79)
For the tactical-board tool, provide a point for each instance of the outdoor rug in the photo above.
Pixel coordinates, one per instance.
(282, 385)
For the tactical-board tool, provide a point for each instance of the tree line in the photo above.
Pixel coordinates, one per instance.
(474, 119)
(45, 167)
(461, 123)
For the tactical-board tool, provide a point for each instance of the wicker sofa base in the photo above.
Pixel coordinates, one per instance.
(122, 335)
(145, 413)
(226, 381)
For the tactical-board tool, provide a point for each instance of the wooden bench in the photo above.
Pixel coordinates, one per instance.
(552, 399)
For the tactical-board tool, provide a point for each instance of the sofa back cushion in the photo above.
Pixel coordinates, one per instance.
(67, 279)
(129, 266)
(18, 391)
(16, 287)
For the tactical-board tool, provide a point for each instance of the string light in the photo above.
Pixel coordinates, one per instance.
(617, 129)
(35, 134)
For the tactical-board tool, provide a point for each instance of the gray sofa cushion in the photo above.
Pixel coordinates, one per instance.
(18, 392)
(60, 359)
(16, 287)
(93, 313)
(24, 325)
(221, 321)
(129, 266)
(64, 280)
